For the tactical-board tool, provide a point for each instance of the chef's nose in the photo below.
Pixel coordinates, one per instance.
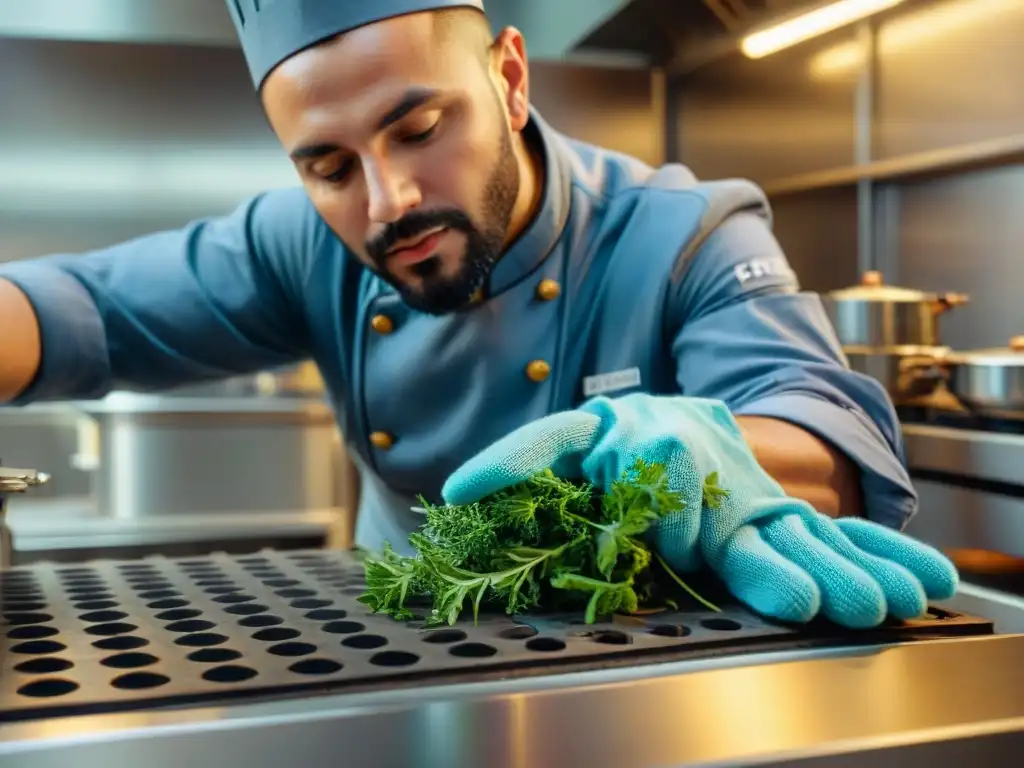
(391, 192)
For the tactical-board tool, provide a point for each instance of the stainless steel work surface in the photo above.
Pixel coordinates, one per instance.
(938, 703)
(715, 688)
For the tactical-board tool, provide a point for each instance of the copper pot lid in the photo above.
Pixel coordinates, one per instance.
(1011, 355)
(873, 288)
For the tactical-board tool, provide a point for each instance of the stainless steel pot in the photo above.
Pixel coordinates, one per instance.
(989, 382)
(155, 455)
(907, 373)
(878, 316)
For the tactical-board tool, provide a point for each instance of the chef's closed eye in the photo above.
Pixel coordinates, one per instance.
(334, 169)
(419, 128)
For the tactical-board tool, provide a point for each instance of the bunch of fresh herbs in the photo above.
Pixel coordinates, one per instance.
(546, 544)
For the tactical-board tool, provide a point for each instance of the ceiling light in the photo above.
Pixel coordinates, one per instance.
(811, 24)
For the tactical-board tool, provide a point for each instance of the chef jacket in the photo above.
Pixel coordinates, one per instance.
(629, 278)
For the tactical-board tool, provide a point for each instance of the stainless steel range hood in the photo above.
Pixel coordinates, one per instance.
(682, 36)
(552, 29)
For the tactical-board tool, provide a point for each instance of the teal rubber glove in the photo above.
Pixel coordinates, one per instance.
(775, 553)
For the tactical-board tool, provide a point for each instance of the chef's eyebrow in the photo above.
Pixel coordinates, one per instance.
(412, 99)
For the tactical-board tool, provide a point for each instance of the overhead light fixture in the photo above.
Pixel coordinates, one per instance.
(811, 24)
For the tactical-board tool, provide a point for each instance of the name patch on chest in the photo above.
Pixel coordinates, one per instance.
(615, 381)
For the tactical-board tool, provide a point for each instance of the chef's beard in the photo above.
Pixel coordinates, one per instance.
(439, 294)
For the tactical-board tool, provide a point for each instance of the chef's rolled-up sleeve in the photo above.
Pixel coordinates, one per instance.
(216, 298)
(743, 332)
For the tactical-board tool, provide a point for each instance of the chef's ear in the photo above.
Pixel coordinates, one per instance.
(513, 74)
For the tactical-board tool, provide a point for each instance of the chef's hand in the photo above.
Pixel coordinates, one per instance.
(774, 553)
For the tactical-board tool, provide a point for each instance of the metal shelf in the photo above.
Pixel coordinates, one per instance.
(974, 156)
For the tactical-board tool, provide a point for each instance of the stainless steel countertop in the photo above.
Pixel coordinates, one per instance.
(57, 524)
(940, 701)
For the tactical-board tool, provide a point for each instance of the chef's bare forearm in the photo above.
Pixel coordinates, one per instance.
(806, 466)
(21, 348)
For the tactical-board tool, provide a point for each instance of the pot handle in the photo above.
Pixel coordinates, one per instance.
(948, 301)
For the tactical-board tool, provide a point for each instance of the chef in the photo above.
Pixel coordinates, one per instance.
(486, 297)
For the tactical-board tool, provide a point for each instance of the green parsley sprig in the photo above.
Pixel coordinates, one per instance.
(546, 544)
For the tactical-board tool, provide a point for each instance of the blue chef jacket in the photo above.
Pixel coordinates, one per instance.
(629, 278)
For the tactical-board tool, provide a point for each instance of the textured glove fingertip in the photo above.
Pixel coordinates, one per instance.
(764, 580)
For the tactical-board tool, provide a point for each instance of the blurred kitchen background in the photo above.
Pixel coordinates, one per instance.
(892, 149)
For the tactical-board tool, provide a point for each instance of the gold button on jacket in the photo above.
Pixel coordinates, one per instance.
(548, 290)
(382, 324)
(538, 370)
(382, 440)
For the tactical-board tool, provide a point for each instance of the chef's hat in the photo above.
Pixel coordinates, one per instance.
(273, 30)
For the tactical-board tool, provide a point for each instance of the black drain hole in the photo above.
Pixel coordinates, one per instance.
(148, 583)
(96, 605)
(32, 632)
(263, 620)
(163, 605)
(137, 681)
(229, 674)
(190, 627)
(545, 644)
(473, 650)
(394, 659)
(440, 636)
(365, 642)
(315, 667)
(136, 568)
(129, 660)
(275, 635)
(612, 637)
(106, 630)
(292, 649)
(290, 593)
(521, 632)
(159, 594)
(722, 625)
(102, 617)
(280, 583)
(121, 643)
(214, 655)
(75, 572)
(670, 630)
(85, 590)
(326, 615)
(17, 606)
(47, 689)
(310, 602)
(246, 609)
(44, 666)
(253, 561)
(343, 627)
(222, 590)
(38, 647)
(233, 598)
(202, 640)
(179, 614)
(21, 619)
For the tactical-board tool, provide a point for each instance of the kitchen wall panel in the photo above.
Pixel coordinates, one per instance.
(818, 232)
(767, 118)
(100, 142)
(966, 233)
(949, 73)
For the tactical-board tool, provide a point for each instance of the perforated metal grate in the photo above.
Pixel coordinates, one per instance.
(108, 636)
